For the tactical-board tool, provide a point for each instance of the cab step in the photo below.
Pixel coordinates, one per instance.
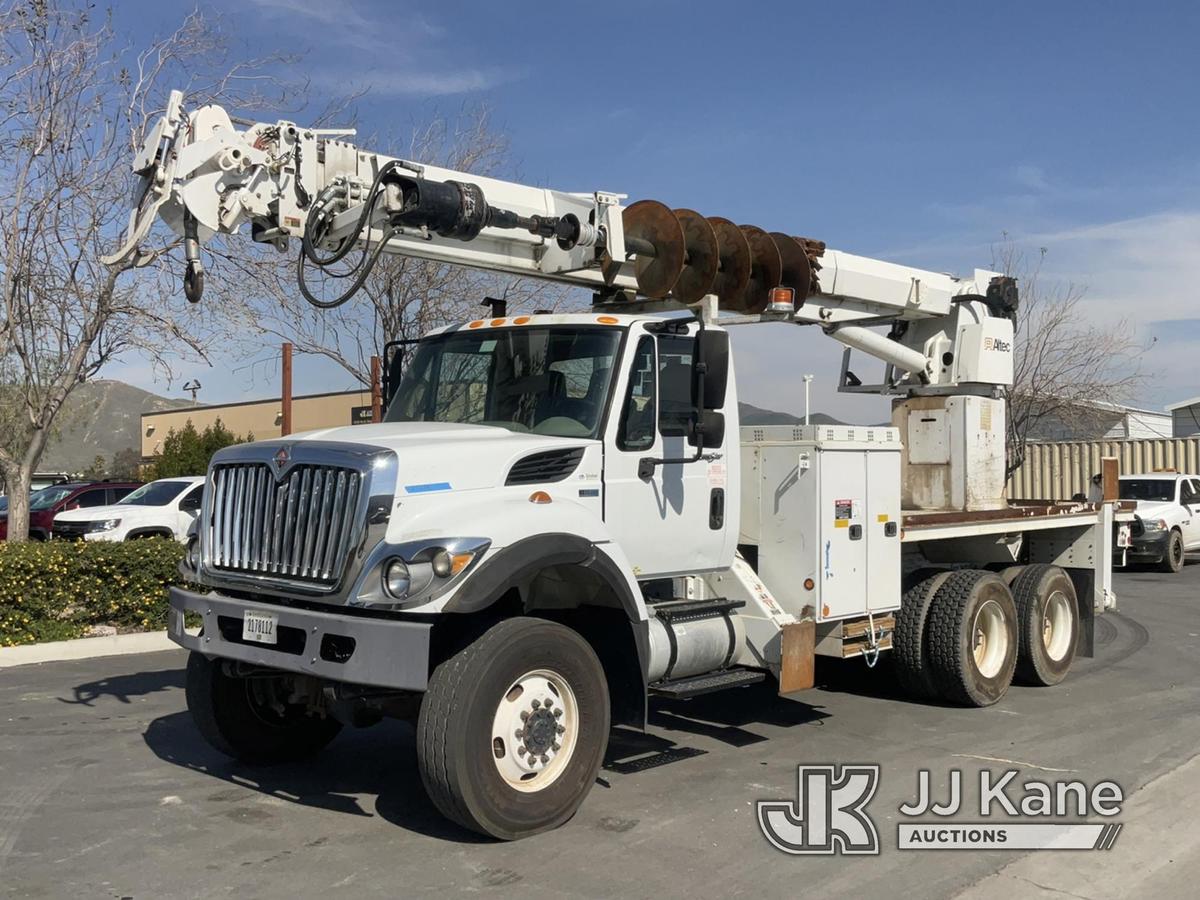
(695, 685)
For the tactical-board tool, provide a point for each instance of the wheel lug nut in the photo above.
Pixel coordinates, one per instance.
(519, 733)
(558, 713)
(536, 704)
(560, 729)
(520, 751)
(547, 703)
(524, 715)
(545, 759)
(556, 747)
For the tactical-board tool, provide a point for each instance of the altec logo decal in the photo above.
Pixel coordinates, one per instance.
(281, 457)
(998, 344)
(829, 815)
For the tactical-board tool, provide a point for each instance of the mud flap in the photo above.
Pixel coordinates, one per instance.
(797, 657)
(1085, 593)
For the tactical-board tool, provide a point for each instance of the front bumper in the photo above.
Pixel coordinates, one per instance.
(331, 645)
(1149, 547)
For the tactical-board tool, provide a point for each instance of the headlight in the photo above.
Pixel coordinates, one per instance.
(1149, 525)
(397, 579)
(103, 525)
(417, 572)
(193, 555)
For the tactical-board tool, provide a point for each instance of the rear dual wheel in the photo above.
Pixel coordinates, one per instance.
(1048, 615)
(979, 630)
(971, 638)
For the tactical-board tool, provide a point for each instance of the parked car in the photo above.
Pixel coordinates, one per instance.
(1168, 517)
(163, 508)
(45, 504)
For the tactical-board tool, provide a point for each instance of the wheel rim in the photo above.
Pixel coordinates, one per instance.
(266, 699)
(535, 730)
(1176, 550)
(1056, 625)
(991, 639)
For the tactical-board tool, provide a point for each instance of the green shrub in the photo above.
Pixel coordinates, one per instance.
(55, 590)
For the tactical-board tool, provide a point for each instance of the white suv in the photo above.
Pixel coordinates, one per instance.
(163, 508)
(1168, 517)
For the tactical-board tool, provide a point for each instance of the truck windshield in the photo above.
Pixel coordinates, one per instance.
(1147, 489)
(548, 380)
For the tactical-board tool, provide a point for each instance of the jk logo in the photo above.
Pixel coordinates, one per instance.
(828, 815)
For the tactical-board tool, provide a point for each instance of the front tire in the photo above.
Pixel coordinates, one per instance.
(249, 719)
(1172, 560)
(513, 728)
(1048, 624)
(972, 638)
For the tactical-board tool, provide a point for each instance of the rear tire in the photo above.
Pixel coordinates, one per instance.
(513, 728)
(1172, 560)
(972, 638)
(908, 643)
(237, 716)
(1048, 624)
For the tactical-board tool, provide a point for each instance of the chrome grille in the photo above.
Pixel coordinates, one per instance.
(300, 528)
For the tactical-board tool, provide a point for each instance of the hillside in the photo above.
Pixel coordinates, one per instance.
(753, 415)
(100, 418)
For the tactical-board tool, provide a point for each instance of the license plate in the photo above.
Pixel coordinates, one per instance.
(259, 627)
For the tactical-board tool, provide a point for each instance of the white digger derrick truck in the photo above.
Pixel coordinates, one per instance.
(559, 516)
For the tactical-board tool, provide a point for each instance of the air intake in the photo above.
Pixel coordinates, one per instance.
(550, 465)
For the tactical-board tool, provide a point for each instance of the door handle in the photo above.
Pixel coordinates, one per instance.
(716, 509)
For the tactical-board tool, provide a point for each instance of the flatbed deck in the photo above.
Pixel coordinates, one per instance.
(1020, 515)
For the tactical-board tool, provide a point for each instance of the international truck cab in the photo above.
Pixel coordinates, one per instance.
(559, 515)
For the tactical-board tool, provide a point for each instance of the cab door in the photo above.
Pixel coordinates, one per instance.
(1189, 497)
(671, 518)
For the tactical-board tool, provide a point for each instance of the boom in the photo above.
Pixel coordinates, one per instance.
(203, 176)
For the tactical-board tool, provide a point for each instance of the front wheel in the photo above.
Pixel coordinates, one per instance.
(513, 728)
(1172, 560)
(250, 718)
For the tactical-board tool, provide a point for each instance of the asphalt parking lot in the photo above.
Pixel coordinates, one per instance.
(107, 791)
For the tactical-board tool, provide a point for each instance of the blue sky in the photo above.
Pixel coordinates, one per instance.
(915, 132)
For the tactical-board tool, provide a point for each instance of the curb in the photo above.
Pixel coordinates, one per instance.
(85, 648)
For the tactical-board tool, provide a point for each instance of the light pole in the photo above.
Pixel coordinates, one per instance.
(807, 381)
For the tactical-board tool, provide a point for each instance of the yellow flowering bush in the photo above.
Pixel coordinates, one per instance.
(57, 589)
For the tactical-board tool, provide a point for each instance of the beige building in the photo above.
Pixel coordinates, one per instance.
(260, 418)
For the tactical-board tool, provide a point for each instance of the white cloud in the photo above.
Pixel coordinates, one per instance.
(355, 50)
(408, 83)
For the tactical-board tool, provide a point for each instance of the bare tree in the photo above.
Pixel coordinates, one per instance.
(404, 297)
(73, 106)
(1069, 371)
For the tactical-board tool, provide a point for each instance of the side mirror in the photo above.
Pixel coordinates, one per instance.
(714, 350)
(190, 504)
(712, 430)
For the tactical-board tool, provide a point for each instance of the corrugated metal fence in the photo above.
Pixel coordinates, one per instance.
(1055, 470)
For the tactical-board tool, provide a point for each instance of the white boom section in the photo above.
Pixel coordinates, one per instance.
(199, 167)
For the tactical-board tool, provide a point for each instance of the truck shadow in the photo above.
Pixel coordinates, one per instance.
(377, 763)
(380, 763)
(124, 687)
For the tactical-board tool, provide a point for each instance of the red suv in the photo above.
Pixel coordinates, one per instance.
(45, 504)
